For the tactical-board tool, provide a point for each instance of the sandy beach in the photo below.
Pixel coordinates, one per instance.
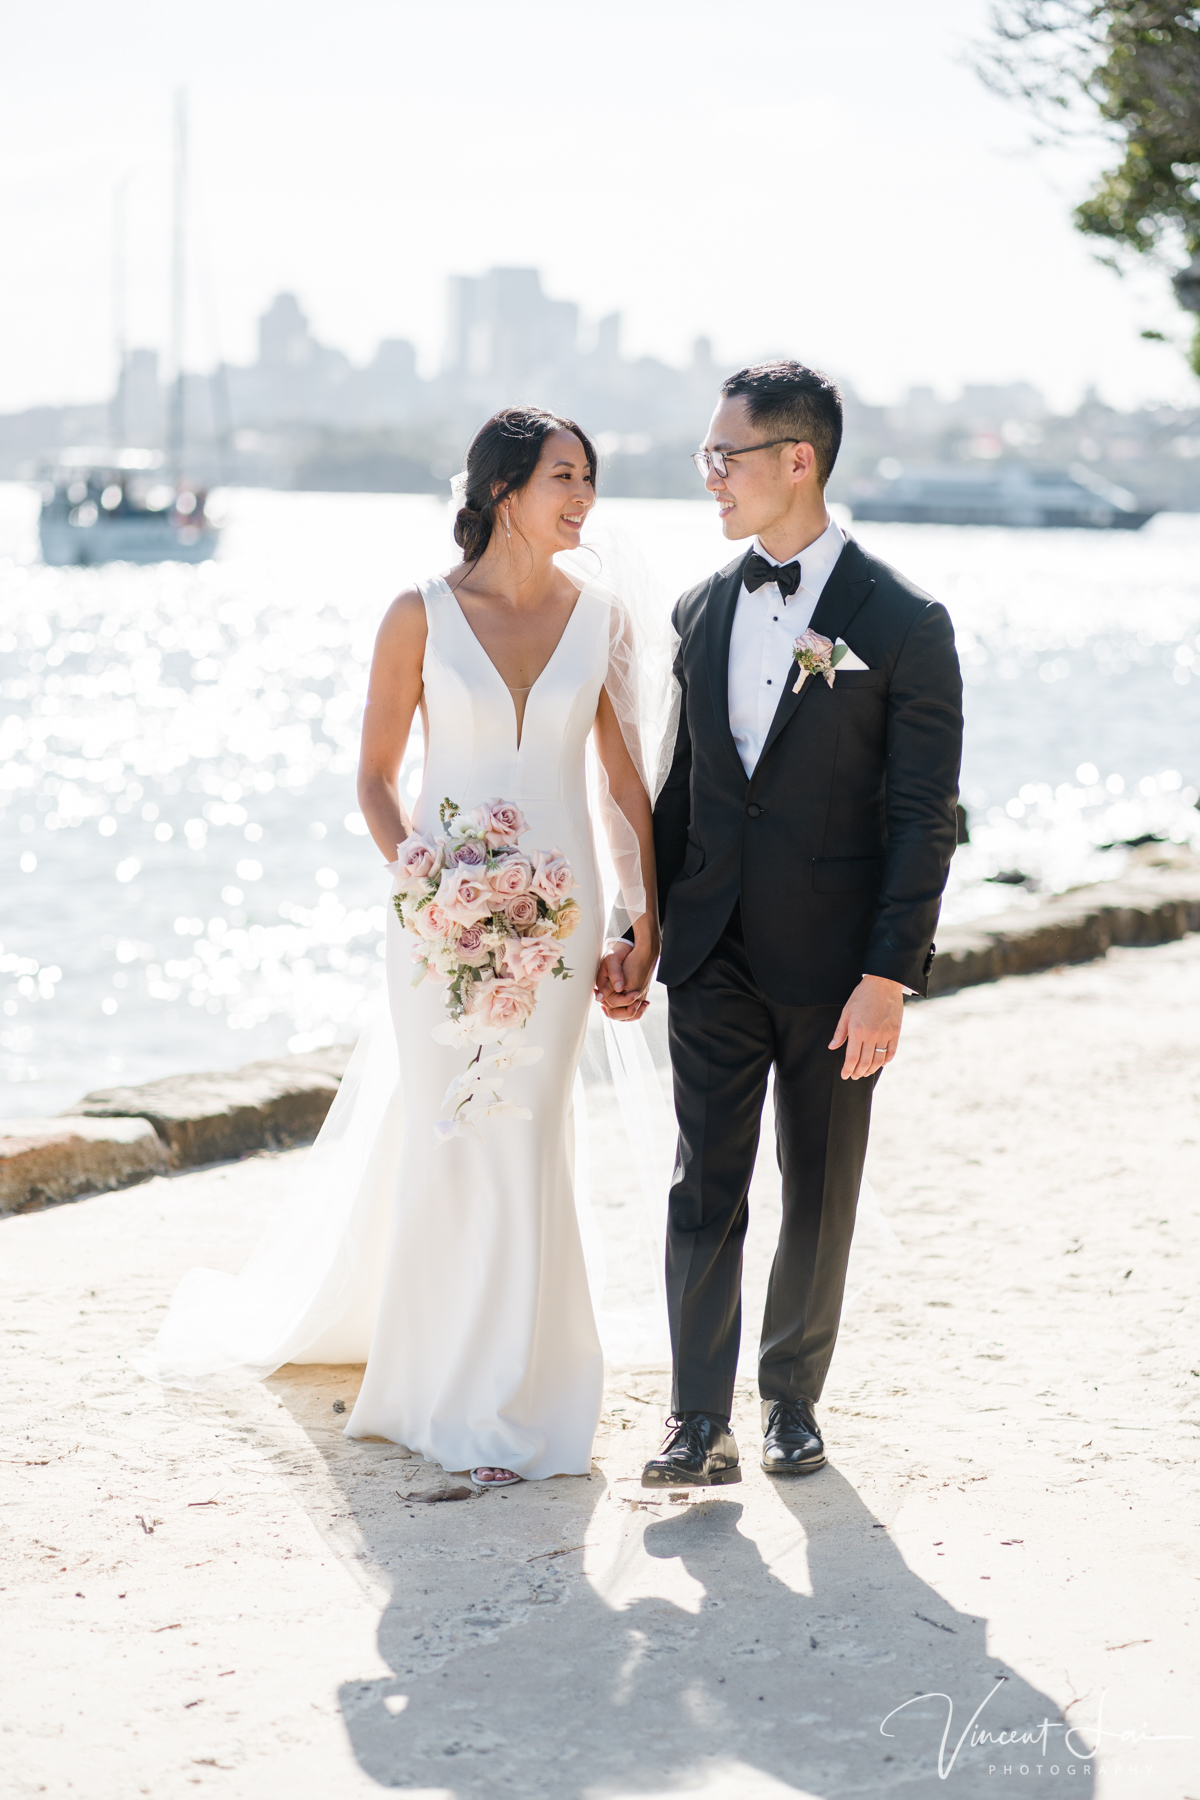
(225, 1595)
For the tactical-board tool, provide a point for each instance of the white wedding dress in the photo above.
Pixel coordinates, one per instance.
(455, 1269)
(485, 1350)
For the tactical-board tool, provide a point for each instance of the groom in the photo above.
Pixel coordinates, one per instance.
(803, 841)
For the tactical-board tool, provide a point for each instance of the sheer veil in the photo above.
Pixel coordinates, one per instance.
(621, 1093)
(309, 1292)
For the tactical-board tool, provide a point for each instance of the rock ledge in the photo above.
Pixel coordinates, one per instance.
(1148, 908)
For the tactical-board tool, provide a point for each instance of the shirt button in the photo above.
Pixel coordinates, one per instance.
(768, 681)
(775, 616)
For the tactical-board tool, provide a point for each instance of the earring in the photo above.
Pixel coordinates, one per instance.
(507, 532)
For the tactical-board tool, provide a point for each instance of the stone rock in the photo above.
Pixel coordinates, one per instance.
(45, 1161)
(431, 1496)
(1068, 928)
(208, 1118)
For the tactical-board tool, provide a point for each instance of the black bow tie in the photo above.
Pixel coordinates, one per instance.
(758, 572)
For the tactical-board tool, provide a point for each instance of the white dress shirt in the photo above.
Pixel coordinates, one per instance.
(766, 625)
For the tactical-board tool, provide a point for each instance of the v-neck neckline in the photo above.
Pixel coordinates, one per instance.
(518, 718)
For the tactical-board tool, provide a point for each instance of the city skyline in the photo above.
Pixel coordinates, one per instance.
(304, 414)
(877, 213)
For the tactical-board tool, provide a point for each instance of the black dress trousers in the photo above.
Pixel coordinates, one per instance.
(725, 1036)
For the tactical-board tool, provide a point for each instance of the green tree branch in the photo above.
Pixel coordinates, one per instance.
(1130, 70)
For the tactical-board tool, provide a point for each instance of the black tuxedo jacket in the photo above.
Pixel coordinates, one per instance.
(839, 843)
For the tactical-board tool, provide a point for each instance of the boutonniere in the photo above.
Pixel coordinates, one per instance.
(816, 655)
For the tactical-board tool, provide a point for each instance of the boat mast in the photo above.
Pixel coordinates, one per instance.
(117, 408)
(175, 433)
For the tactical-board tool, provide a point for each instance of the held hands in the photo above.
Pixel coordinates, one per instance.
(870, 1023)
(624, 976)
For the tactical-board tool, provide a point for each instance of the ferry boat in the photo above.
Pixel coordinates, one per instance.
(103, 506)
(1013, 494)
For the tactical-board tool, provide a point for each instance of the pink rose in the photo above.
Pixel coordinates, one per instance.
(530, 959)
(552, 877)
(502, 1005)
(511, 875)
(470, 946)
(418, 859)
(521, 911)
(467, 853)
(434, 923)
(502, 822)
(464, 895)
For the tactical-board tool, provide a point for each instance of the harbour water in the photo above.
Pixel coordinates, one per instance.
(187, 882)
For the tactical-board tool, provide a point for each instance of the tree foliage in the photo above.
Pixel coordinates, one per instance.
(1130, 69)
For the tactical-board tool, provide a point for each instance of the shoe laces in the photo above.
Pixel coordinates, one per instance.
(792, 1413)
(683, 1431)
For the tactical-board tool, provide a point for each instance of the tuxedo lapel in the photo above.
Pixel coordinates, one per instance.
(845, 591)
(719, 609)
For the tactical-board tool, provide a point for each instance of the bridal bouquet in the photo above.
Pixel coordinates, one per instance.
(489, 918)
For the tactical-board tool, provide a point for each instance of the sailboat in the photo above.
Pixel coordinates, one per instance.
(103, 505)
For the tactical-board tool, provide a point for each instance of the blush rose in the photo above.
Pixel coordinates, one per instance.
(470, 853)
(434, 923)
(417, 860)
(502, 1005)
(521, 911)
(502, 822)
(463, 893)
(552, 877)
(472, 946)
(530, 959)
(511, 875)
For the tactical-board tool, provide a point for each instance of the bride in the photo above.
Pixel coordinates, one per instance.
(483, 1351)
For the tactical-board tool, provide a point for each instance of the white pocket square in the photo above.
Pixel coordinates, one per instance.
(849, 661)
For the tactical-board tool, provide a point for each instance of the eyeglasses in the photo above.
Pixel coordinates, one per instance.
(719, 459)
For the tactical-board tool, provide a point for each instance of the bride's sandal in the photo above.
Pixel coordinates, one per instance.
(488, 1477)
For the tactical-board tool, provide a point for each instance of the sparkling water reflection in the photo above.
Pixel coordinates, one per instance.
(187, 880)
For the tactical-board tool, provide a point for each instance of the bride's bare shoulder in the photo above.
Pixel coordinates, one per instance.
(404, 626)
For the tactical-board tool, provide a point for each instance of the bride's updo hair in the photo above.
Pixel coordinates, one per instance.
(501, 460)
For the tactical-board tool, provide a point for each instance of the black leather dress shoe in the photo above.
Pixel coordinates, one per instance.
(698, 1451)
(792, 1443)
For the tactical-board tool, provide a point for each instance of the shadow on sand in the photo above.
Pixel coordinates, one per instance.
(513, 1675)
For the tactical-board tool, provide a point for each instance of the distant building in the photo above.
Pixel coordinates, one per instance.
(138, 413)
(502, 328)
(302, 414)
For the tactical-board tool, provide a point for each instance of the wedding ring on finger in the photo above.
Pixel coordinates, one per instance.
(881, 1049)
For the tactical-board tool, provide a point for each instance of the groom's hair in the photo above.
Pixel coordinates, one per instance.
(788, 399)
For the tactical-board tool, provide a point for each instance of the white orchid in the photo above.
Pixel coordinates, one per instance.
(465, 1086)
(462, 1123)
(504, 1109)
(512, 1056)
(445, 1129)
(456, 1032)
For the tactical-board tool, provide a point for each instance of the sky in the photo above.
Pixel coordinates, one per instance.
(833, 183)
